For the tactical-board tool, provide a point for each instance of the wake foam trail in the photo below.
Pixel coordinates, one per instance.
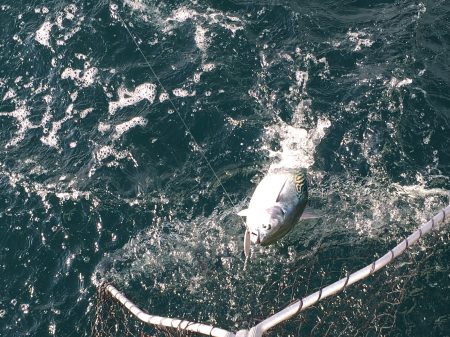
(297, 145)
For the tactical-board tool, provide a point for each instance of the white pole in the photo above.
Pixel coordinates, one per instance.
(165, 321)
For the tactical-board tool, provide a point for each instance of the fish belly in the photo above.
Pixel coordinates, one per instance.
(267, 191)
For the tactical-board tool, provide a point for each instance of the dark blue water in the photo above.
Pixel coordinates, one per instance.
(101, 181)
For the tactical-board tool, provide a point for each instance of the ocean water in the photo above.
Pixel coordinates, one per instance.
(101, 181)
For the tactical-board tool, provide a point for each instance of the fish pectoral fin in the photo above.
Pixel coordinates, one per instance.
(281, 190)
(244, 212)
(247, 243)
(310, 213)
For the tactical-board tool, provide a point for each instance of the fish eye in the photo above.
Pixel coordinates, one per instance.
(267, 226)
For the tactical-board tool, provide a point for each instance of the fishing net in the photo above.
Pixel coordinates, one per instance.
(392, 302)
(112, 319)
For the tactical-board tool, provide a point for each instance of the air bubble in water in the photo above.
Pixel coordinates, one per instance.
(25, 308)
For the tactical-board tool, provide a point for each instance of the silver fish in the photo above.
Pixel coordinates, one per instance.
(275, 207)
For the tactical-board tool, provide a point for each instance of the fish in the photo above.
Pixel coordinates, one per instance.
(276, 205)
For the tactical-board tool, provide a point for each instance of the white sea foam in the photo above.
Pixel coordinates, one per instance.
(103, 127)
(145, 91)
(113, 8)
(74, 96)
(81, 56)
(85, 112)
(182, 14)
(396, 83)
(68, 13)
(60, 188)
(17, 39)
(420, 189)
(202, 20)
(83, 78)
(298, 145)
(136, 5)
(67, 36)
(120, 129)
(72, 195)
(163, 97)
(21, 115)
(301, 78)
(360, 39)
(200, 38)
(43, 34)
(43, 10)
(421, 10)
(228, 22)
(371, 214)
(11, 93)
(180, 92)
(52, 328)
(51, 139)
(208, 67)
(196, 77)
(105, 152)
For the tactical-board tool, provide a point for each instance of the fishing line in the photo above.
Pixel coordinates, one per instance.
(202, 152)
